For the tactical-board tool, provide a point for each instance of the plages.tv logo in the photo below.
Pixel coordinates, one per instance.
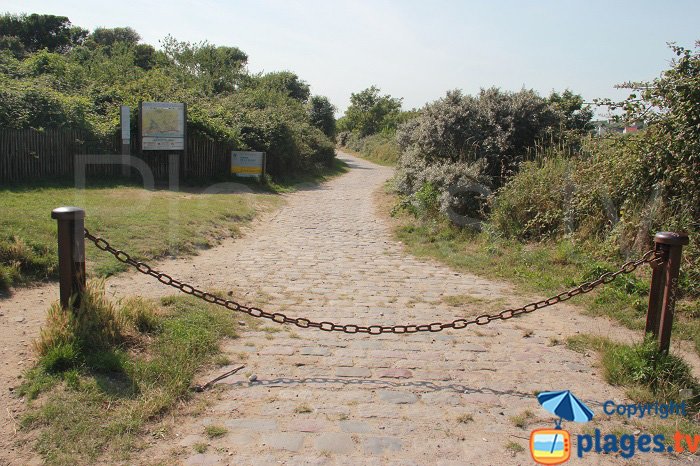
(553, 446)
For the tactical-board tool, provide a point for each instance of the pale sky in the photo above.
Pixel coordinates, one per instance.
(417, 49)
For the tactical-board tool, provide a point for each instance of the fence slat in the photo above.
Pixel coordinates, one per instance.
(28, 155)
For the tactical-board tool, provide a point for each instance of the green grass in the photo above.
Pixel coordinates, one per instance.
(97, 403)
(514, 447)
(215, 431)
(380, 156)
(545, 268)
(299, 181)
(149, 224)
(379, 148)
(647, 375)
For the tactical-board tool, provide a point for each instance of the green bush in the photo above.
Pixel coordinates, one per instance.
(380, 148)
(603, 193)
(642, 365)
(537, 202)
(82, 87)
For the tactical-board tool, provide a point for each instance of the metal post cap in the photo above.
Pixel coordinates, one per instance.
(68, 213)
(672, 238)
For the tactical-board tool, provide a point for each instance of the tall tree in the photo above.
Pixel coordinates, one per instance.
(216, 68)
(370, 112)
(322, 115)
(37, 32)
(109, 36)
(573, 114)
(287, 83)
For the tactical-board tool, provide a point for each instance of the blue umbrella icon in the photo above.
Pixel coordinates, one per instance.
(565, 405)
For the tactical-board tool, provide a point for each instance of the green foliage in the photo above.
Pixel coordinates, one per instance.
(466, 145)
(95, 325)
(621, 189)
(141, 314)
(495, 126)
(35, 32)
(573, 114)
(647, 374)
(424, 203)
(107, 37)
(322, 115)
(209, 68)
(284, 82)
(537, 202)
(380, 148)
(60, 357)
(80, 84)
(369, 113)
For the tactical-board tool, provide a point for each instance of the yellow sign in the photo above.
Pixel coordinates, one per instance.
(237, 169)
(245, 163)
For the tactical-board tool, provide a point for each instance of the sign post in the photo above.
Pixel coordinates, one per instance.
(247, 164)
(125, 123)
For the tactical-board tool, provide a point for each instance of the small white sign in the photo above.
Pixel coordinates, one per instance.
(244, 163)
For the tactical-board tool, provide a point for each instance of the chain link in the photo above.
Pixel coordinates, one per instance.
(650, 257)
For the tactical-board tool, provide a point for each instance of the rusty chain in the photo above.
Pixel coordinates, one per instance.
(280, 318)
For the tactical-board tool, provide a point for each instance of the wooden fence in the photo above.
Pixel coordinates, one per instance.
(28, 155)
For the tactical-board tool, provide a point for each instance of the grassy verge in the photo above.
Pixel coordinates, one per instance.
(647, 377)
(299, 181)
(149, 224)
(103, 377)
(544, 268)
(377, 148)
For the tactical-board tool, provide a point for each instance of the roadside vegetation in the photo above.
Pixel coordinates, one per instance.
(368, 128)
(149, 224)
(111, 370)
(556, 204)
(54, 74)
(563, 205)
(647, 377)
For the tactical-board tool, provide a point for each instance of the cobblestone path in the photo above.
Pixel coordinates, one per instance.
(452, 398)
(330, 398)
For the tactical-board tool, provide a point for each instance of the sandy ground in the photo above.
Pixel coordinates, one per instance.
(330, 398)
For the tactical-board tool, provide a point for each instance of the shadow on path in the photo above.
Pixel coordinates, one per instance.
(427, 386)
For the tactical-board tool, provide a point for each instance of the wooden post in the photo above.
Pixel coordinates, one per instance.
(664, 287)
(71, 253)
(185, 167)
(125, 126)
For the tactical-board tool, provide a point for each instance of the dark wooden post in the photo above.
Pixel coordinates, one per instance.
(125, 126)
(664, 287)
(71, 253)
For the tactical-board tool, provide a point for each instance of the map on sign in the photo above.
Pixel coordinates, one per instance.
(162, 126)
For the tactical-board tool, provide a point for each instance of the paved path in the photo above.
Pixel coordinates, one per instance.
(330, 398)
(320, 398)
